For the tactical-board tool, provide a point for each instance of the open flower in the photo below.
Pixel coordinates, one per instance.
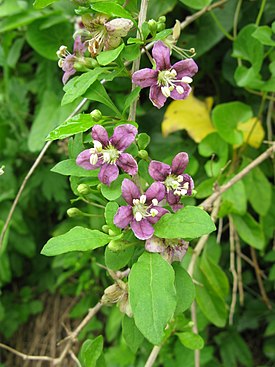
(108, 153)
(166, 81)
(170, 249)
(142, 210)
(101, 34)
(175, 182)
(67, 60)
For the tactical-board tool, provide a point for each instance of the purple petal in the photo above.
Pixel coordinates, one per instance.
(156, 96)
(100, 134)
(123, 136)
(79, 47)
(123, 216)
(145, 77)
(108, 173)
(154, 244)
(186, 67)
(155, 191)
(143, 229)
(179, 251)
(187, 178)
(161, 212)
(179, 163)
(176, 207)
(127, 163)
(130, 191)
(186, 91)
(67, 75)
(83, 160)
(161, 54)
(172, 199)
(158, 170)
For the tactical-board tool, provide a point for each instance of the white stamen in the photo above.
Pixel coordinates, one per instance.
(97, 145)
(135, 201)
(165, 91)
(138, 216)
(177, 192)
(62, 51)
(175, 184)
(187, 79)
(173, 72)
(142, 199)
(186, 186)
(154, 212)
(93, 159)
(183, 192)
(106, 157)
(179, 89)
(60, 63)
(155, 202)
(180, 178)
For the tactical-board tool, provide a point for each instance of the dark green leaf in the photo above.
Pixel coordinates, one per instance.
(111, 8)
(70, 168)
(131, 334)
(106, 57)
(40, 4)
(249, 230)
(90, 351)
(196, 4)
(184, 287)
(191, 340)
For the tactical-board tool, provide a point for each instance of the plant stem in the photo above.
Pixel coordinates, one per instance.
(236, 18)
(153, 356)
(221, 27)
(260, 12)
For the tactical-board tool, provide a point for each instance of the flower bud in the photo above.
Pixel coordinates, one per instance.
(73, 212)
(160, 27)
(112, 294)
(79, 66)
(96, 115)
(152, 26)
(83, 189)
(162, 19)
(118, 245)
(105, 228)
(143, 154)
(111, 232)
(99, 187)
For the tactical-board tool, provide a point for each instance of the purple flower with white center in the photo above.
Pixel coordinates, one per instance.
(176, 183)
(142, 210)
(166, 81)
(170, 249)
(108, 153)
(67, 60)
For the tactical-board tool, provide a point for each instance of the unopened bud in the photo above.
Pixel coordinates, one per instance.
(105, 228)
(73, 212)
(192, 50)
(96, 115)
(143, 154)
(162, 19)
(99, 187)
(152, 26)
(176, 30)
(111, 232)
(83, 189)
(160, 27)
(112, 294)
(90, 63)
(118, 245)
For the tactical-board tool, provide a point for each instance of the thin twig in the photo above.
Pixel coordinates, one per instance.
(153, 356)
(259, 278)
(74, 357)
(29, 174)
(207, 204)
(233, 270)
(196, 331)
(239, 269)
(24, 356)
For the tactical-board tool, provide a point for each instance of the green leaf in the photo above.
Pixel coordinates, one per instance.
(111, 8)
(70, 168)
(77, 239)
(184, 287)
(77, 124)
(47, 41)
(157, 8)
(215, 276)
(234, 200)
(191, 340)
(259, 191)
(211, 145)
(77, 86)
(131, 52)
(131, 334)
(116, 260)
(226, 117)
(188, 223)
(12, 7)
(110, 211)
(264, 35)
(19, 20)
(40, 4)
(90, 351)
(249, 230)
(212, 306)
(98, 93)
(196, 4)
(152, 295)
(106, 57)
(132, 97)
(113, 191)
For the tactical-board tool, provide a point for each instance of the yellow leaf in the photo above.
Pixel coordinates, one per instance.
(190, 114)
(253, 132)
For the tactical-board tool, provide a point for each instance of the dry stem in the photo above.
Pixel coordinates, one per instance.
(233, 270)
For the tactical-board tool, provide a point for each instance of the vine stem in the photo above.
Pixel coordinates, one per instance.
(136, 62)
(153, 356)
(260, 12)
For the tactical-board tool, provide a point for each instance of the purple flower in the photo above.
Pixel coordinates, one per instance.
(66, 60)
(108, 153)
(172, 178)
(170, 249)
(166, 81)
(142, 210)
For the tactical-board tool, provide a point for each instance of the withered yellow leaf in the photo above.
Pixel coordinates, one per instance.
(253, 132)
(191, 115)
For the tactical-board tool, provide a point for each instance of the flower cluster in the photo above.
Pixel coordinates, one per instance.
(170, 249)
(166, 80)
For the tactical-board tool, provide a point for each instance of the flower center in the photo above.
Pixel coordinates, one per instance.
(167, 81)
(110, 154)
(141, 210)
(175, 183)
(96, 44)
